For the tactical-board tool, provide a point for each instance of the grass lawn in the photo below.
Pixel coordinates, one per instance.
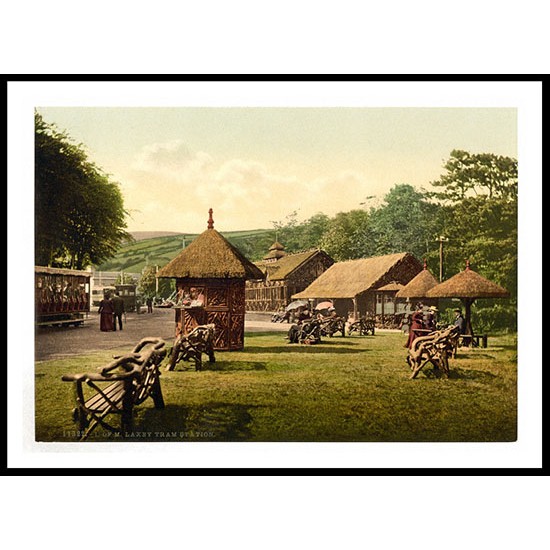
(356, 388)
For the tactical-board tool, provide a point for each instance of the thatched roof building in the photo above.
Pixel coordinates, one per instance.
(358, 280)
(468, 286)
(211, 255)
(391, 287)
(417, 288)
(210, 276)
(285, 274)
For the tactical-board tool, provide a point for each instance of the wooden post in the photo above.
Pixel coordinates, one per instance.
(354, 308)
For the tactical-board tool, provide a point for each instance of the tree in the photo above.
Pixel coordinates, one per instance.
(477, 174)
(405, 222)
(148, 283)
(348, 236)
(79, 211)
(478, 213)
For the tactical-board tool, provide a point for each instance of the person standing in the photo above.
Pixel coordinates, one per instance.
(417, 325)
(430, 321)
(459, 321)
(106, 311)
(118, 308)
(149, 303)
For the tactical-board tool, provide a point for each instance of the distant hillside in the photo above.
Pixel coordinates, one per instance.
(142, 235)
(160, 249)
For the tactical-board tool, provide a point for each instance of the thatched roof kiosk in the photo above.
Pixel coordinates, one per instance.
(210, 279)
(355, 282)
(468, 286)
(417, 288)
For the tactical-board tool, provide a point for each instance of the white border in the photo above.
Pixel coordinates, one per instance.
(24, 96)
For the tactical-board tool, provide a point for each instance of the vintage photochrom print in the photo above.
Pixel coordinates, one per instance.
(276, 271)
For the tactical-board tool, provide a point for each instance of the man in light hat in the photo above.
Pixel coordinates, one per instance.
(431, 318)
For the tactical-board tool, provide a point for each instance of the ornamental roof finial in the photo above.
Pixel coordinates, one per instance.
(210, 219)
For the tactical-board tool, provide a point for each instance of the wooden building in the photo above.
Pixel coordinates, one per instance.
(210, 278)
(284, 275)
(353, 286)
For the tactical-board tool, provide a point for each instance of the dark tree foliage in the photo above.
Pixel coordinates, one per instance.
(405, 222)
(478, 212)
(349, 236)
(295, 236)
(79, 212)
(469, 175)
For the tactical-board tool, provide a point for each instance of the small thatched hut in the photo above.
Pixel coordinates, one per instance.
(352, 285)
(211, 272)
(418, 287)
(468, 286)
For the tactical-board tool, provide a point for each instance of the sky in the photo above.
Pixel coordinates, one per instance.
(256, 165)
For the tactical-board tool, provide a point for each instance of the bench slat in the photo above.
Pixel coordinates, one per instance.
(114, 392)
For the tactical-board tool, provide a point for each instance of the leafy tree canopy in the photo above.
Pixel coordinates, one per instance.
(79, 211)
(468, 174)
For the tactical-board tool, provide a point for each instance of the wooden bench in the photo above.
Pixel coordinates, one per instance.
(307, 332)
(329, 327)
(191, 346)
(362, 326)
(435, 348)
(124, 383)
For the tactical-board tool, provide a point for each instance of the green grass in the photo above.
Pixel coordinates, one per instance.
(344, 389)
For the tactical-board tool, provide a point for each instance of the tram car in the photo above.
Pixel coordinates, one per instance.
(62, 296)
(128, 292)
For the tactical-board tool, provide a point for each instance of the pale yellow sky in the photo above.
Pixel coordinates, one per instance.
(257, 165)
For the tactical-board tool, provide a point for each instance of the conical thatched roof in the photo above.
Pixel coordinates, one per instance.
(418, 287)
(467, 284)
(211, 256)
(350, 278)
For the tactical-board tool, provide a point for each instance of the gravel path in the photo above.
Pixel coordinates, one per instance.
(58, 342)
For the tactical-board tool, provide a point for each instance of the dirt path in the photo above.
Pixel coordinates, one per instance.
(58, 342)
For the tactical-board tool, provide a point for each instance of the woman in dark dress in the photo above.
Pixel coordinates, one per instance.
(416, 327)
(106, 315)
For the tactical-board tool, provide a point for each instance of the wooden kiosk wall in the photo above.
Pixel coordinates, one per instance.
(224, 306)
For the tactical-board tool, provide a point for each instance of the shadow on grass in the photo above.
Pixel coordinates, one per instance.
(302, 348)
(460, 374)
(222, 366)
(208, 422)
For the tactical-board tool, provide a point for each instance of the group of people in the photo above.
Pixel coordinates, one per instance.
(111, 310)
(424, 320)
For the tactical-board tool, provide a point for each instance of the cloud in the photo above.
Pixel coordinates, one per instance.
(169, 187)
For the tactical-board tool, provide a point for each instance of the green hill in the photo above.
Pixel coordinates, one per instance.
(134, 256)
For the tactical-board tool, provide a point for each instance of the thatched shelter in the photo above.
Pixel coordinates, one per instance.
(284, 275)
(418, 287)
(353, 284)
(468, 286)
(210, 279)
